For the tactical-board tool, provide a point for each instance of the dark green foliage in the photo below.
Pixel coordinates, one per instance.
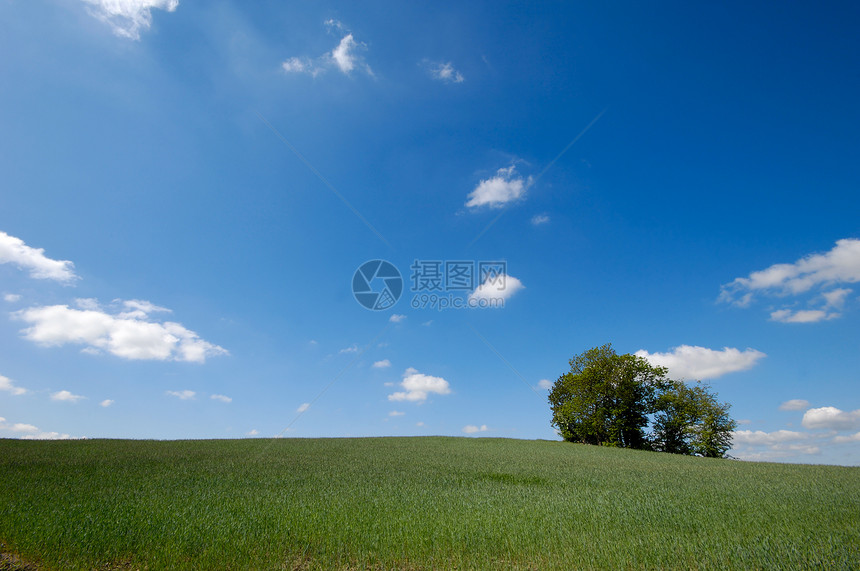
(607, 399)
(690, 420)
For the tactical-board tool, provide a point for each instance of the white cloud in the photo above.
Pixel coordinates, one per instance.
(794, 404)
(30, 432)
(545, 384)
(840, 265)
(836, 298)
(396, 413)
(419, 424)
(7, 385)
(129, 17)
(21, 427)
(444, 71)
(17, 427)
(844, 439)
(344, 57)
(49, 436)
(831, 418)
(252, 432)
(106, 403)
(419, 386)
(130, 334)
(351, 349)
(691, 362)
(539, 219)
(88, 303)
(802, 316)
(221, 398)
(396, 318)
(11, 297)
(497, 288)
(140, 308)
(499, 190)
(761, 438)
(472, 429)
(336, 25)
(760, 445)
(66, 396)
(182, 395)
(298, 65)
(14, 251)
(427, 323)
(383, 364)
(303, 407)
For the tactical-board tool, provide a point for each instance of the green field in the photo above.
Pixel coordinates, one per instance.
(414, 503)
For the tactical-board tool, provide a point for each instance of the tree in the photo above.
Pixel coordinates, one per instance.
(690, 420)
(608, 399)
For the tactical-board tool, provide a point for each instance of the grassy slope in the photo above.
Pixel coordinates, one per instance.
(416, 503)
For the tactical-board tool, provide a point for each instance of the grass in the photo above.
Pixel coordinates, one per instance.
(414, 503)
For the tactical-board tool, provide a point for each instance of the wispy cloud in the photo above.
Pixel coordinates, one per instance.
(14, 251)
(182, 395)
(794, 404)
(383, 364)
(827, 428)
(539, 219)
(761, 445)
(31, 432)
(299, 65)
(545, 384)
(11, 297)
(303, 407)
(130, 334)
(819, 272)
(472, 429)
(443, 71)
(396, 318)
(7, 385)
(106, 403)
(346, 56)
(221, 398)
(802, 315)
(497, 191)
(419, 386)
(692, 362)
(66, 396)
(128, 18)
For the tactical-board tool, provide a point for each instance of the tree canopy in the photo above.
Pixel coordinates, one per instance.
(611, 399)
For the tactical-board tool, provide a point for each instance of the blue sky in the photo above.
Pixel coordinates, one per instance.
(187, 189)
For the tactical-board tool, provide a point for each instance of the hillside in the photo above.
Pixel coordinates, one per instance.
(415, 503)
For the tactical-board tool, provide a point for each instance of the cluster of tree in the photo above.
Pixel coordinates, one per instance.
(611, 399)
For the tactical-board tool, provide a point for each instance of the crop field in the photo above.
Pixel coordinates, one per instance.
(414, 503)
